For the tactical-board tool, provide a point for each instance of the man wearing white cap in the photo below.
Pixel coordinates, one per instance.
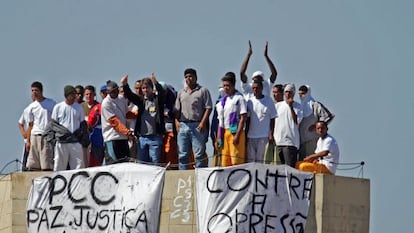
(246, 87)
(286, 131)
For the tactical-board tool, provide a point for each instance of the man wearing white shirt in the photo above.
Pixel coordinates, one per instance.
(261, 123)
(326, 156)
(70, 115)
(40, 112)
(286, 131)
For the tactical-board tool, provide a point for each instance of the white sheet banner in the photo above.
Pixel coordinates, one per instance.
(252, 198)
(118, 198)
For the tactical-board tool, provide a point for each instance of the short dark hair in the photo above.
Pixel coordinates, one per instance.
(303, 88)
(148, 82)
(279, 87)
(231, 74)
(38, 85)
(90, 87)
(190, 71)
(229, 79)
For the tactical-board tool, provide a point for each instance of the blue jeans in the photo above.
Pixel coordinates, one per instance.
(149, 148)
(189, 138)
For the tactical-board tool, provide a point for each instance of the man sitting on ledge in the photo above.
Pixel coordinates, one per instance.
(326, 156)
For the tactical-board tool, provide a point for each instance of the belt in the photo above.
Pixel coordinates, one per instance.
(39, 134)
(190, 121)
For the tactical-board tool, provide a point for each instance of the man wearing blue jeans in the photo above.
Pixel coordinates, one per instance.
(149, 125)
(192, 110)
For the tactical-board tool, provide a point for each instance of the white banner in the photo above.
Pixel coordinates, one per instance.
(252, 198)
(124, 197)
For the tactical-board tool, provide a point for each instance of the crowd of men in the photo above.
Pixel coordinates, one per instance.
(155, 124)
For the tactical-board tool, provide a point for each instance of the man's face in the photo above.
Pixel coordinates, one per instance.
(277, 94)
(114, 94)
(301, 94)
(137, 88)
(257, 90)
(89, 96)
(147, 91)
(36, 93)
(71, 98)
(79, 95)
(289, 95)
(190, 79)
(228, 87)
(321, 129)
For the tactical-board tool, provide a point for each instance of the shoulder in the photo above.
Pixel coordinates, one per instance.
(329, 139)
(203, 89)
(297, 105)
(49, 100)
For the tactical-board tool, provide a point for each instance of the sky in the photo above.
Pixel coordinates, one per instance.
(356, 55)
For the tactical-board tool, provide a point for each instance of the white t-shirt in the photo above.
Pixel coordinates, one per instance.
(24, 118)
(331, 160)
(40, 114)
(286, 132)
(260, 111)
(113, 107)
(69, 116)
(235, 104)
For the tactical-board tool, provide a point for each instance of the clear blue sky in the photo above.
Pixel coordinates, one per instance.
(356, 55)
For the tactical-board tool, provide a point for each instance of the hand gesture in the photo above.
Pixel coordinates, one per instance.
(124, 80)
(153, 78)
(250, 52)
(265, 51)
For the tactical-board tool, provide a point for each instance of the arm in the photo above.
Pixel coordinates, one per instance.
(243, 68)
(118, 126)
(272, 129)
(22, 130)
(313, 157)
(127, 91)
(290, 102)
(240, 128)
(271, 65)
(29, 134)
(203, 123)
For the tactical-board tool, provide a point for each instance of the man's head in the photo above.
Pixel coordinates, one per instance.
(321, 129)
(137, 87)
(228, 83)
(278, 92)
(147, 87)
(79, 93)
(70, 94)
(37, 90)
(112, 89)
(303, 91)
(289, 91)
(190, 76)
(102, 91)
(90, 94)
(257, 87)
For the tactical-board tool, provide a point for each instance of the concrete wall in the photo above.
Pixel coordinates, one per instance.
(339, 204)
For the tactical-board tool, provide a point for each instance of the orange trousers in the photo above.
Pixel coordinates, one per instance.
(312, 167)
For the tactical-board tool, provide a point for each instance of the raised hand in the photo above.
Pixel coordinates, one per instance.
(250, 52)
(153, 78)
(124, 80)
